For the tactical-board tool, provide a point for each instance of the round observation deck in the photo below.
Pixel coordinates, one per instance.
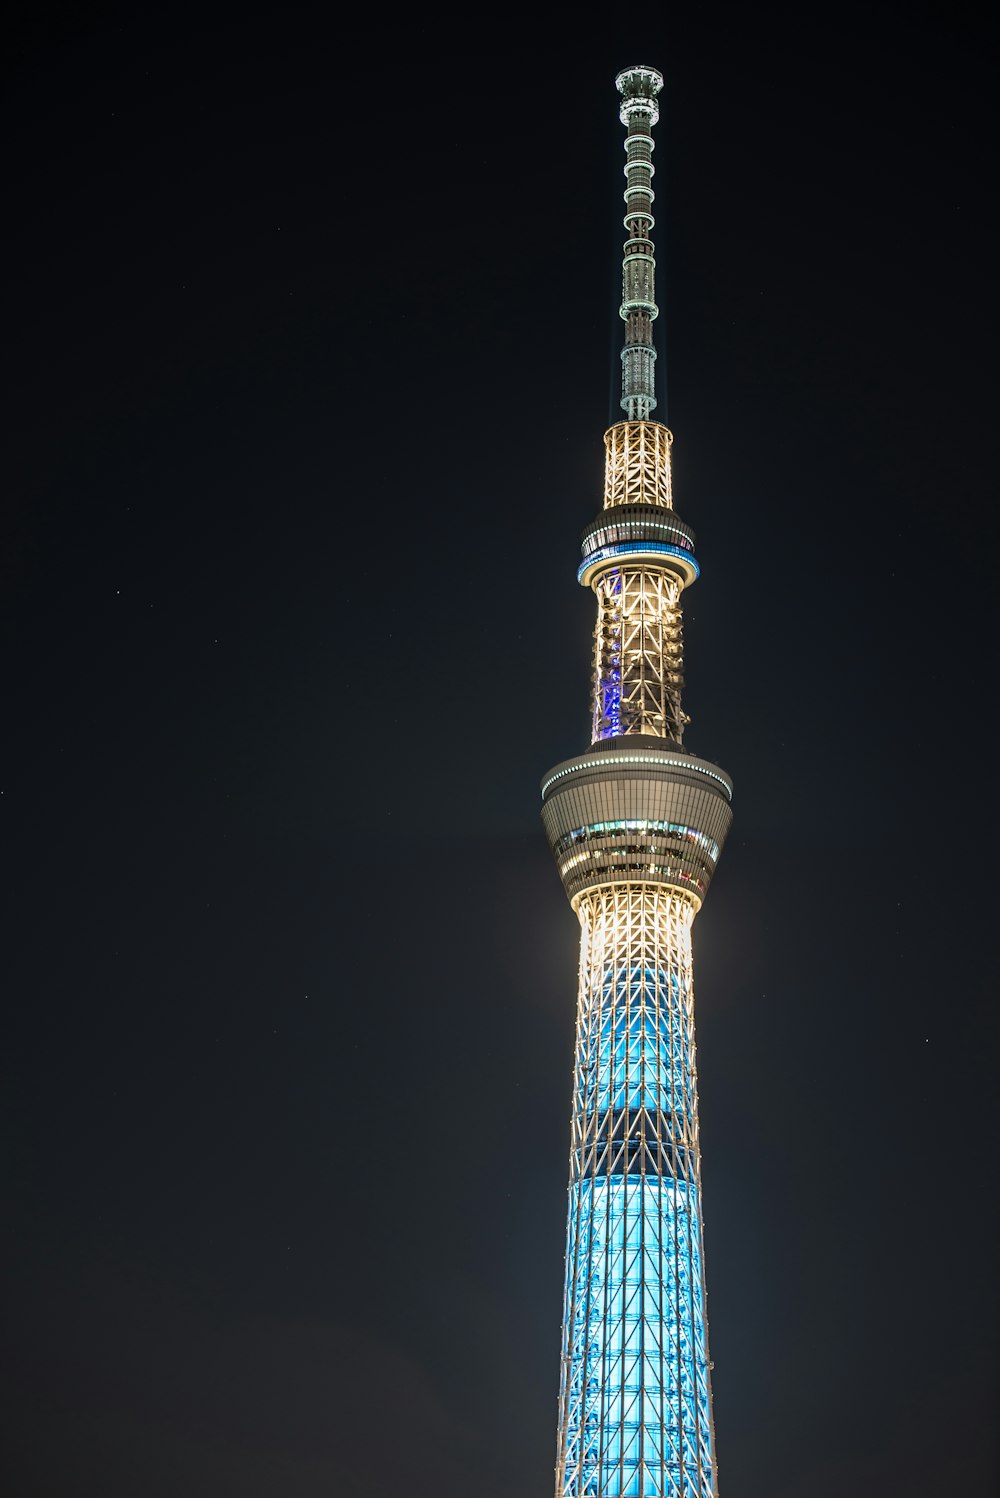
(638, 534)
(636, 810)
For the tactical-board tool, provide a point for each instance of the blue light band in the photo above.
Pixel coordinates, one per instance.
(642, 549)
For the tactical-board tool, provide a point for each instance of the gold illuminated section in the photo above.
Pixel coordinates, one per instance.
(637, 464)
(637, 582)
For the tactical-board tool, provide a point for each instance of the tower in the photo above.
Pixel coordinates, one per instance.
(636, 825)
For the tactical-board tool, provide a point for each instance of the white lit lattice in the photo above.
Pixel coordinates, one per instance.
(638, 654)
(637, 464)
(635, 1409)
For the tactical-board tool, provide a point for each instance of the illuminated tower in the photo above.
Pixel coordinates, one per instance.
(636, 824)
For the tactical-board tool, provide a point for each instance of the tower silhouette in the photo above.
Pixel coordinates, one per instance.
(636, 825)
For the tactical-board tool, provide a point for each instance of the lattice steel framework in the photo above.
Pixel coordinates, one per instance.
(637, 464)
(636, 824)
(636, 1407)
(638, 661)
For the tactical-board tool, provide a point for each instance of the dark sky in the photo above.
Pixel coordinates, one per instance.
(310, 336)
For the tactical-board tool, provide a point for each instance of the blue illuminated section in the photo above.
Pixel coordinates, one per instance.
(636, 1397)
(638, 1391)
(611, 705)
(609, 688)
(644, 1052)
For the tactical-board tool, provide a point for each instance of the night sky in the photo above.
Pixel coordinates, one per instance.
(311, 336)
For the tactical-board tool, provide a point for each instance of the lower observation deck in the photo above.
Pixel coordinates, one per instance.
(634, 534)
(636, 809)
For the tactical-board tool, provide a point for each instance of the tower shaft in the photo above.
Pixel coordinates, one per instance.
(636, 1413)
(636, 824)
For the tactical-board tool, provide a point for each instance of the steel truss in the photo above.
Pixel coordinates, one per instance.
(638, 654)
(636, 827)
(635, 1404)
(637, 464)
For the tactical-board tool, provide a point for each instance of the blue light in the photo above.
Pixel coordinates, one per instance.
(636, 548)
(644, 1052)
(609, 691)
(636, 1388)
(638, 1404)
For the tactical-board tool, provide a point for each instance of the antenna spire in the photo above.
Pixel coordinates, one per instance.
(639, 112)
